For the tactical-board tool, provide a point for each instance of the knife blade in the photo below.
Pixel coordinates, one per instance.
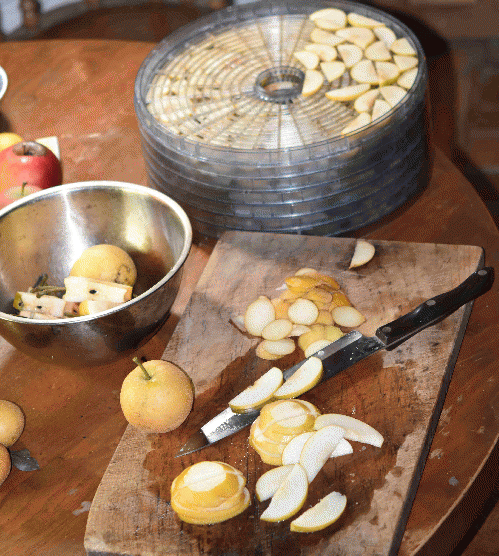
(352, 348)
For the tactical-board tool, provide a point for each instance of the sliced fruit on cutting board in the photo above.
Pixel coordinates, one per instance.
(302, 380)
(289, 497)
(320, 516)
(318, 448)
(268, 483)
(362, 254)
(354, 428)
(259, 393)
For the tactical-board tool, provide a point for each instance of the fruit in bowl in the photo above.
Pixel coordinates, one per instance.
(26, 167)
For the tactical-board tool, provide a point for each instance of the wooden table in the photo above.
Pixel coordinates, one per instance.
(82, 92)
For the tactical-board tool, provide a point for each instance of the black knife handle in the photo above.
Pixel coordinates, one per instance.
(435, 309)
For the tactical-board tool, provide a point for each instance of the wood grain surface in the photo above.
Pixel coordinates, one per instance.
(400, 393)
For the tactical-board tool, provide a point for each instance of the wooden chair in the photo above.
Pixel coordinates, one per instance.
(80, 15)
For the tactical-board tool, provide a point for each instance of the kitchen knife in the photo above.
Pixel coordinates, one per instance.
(354, 347)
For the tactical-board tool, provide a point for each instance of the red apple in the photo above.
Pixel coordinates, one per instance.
(26, 167)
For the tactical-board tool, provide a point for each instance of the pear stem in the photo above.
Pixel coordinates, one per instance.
(139, 363)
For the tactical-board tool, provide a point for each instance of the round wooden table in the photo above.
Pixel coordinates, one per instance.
(82, 92)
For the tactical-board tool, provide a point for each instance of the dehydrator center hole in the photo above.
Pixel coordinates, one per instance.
(281, 84)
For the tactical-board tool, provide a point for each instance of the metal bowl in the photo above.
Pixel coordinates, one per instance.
(47, 231)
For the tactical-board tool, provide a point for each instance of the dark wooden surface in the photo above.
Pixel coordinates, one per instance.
(81, 91)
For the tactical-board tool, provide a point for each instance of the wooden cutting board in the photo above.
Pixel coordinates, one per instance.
(400, 393)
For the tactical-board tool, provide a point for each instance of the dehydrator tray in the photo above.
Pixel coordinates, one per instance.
(228, 132)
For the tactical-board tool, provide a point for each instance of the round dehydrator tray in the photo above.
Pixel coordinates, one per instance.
(228, 132)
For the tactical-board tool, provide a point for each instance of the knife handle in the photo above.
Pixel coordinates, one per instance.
(435, 309)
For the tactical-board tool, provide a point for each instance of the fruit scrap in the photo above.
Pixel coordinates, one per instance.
(209, 492)
(79, 288)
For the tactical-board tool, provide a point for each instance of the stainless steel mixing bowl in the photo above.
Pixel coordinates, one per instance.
(47, 231)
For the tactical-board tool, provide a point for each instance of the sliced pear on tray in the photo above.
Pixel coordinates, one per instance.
(320, 516)
(351, 92)
(289, 497)
(403, 46)
(322, 36)
(359, 20)
(325, 52)
(302, 380)
(318, 448)
(406, 80)
(385, 34)
(333, 70)
(405, 63)
(357, 123)
(388, 72)
(258, 393)
(365, 102)
(380, 108)
(378, 51)
(354, 428)
(309, 59)
(360, 36)
(350, 54)
(393, 94)
(312, 83)
(365, 72)
(331, 19)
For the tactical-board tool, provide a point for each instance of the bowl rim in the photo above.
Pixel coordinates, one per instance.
(110, 184)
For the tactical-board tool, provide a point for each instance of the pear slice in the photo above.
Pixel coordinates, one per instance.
(302, 380)
(262, 353)
(309, 59)
(289, 497)
(329, 18)
(286, 418)
(344, 448)
(332, 333)
(358, 20)
(357, 123)
(405, 63)
(365, 102)
(406, 80)
(378, 51)
(363, 252)
(347, 316)
(393, 94)
(380, 108)
(277, 329)
(320, 516)
(388, 72)
(318, 448)
(351, 92)
(385, 34)
(333, 70)
(354, 428)
(321, 36)
(325, 52)
(258, 314)
(350, 54)
(258, 393)
(403, 47)
(312, 83)
(365, 72)
(268, 483)
(360, 36)
(314, 347)
(292, 450)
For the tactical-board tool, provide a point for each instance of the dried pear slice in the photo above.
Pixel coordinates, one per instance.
(385, 34)
(393, 94)
(348, 93)
(378, 51)
(365, 102)
(312, 83)
(403, 46)
(405, 63)
(360, 36)
(350, 54)
(321, 36)
(361, 120)
(358, 20)
(329, 18)
(333, 70)
(388, 72)
(406, 80)
(365, 72)
(325, 52)
(380, 108)
(309, 59)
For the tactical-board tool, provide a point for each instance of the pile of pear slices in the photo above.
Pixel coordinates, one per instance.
(382, 66)
(311, 309)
